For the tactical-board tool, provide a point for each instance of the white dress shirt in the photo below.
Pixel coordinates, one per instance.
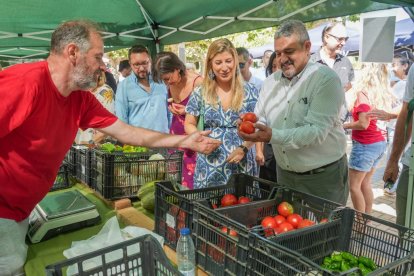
(304, 116)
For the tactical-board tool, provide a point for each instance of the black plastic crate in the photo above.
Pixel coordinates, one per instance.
(348, 230)
(118, 175)
(174, 209)
(70, 161)
(138, 256)
(221, 253)
(83, 163)
(62, 179)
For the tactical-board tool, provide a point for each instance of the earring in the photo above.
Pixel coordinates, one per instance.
(211, 75)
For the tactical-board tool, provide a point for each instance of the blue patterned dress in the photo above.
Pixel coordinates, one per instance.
(213, 170)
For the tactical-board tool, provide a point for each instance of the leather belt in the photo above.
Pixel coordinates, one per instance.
(318, 170)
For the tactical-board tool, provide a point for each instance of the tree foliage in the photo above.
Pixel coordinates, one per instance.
(195, 51)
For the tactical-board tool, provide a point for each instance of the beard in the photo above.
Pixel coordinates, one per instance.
(142, 76)
(288, 69)
(83, 79)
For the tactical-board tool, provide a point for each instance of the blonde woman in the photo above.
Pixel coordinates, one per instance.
(219, 101)
(371, 91)
(105, 95)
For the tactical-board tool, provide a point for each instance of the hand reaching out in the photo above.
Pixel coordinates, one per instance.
(177, 109)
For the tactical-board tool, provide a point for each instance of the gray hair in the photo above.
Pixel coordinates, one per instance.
(291, 27)
(77, 32)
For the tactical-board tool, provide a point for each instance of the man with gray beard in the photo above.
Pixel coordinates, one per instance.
(298, 110)
(43, 105)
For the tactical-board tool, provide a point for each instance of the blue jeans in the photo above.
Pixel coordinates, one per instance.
(365, 157)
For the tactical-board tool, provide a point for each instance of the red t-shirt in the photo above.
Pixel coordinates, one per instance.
(370, 135)
(37, 127)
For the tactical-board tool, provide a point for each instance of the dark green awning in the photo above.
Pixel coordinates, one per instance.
(25, 26)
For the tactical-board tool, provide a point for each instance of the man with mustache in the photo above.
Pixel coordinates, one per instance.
(43, 105)
(140, 101)
(298, 111)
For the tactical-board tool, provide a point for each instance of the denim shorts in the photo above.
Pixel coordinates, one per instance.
(364, 157)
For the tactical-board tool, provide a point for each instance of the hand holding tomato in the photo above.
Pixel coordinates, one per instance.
(246, 127)
(249, 117)
(262, 133)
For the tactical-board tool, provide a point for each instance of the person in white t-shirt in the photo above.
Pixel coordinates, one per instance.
(245, 62)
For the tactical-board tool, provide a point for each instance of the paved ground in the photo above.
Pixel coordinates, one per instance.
(384, 205)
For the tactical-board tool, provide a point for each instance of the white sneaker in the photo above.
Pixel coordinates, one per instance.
(388, 192)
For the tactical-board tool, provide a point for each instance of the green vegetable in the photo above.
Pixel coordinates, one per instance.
(109, 147)
(337, 257)
(147, 188)
(327, 261)
(367, 262)
(364, 270)
(335, 266)
(148, 202)
(349, 257)
(345, 266)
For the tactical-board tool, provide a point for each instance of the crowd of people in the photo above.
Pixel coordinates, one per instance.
(305, 103)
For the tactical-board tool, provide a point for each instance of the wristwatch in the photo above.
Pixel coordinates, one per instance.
(244, 148)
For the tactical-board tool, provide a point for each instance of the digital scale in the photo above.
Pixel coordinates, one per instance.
(59, 213)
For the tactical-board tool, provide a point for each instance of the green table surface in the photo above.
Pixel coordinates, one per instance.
(48, 252)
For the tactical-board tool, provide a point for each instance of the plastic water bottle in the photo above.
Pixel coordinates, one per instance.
(186, 253)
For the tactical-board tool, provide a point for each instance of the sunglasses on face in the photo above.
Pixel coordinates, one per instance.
(339, 39)
(242, 65)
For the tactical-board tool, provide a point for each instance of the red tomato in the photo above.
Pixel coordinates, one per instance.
(279, 219)
(250, 116)
(228, 200)
(246, 127)
(305, 223)
(285, 209)
(294, 219)
(284, 227)
(323, 220)
(214, 206)
(268, 223)
(244, 199)
(232, 232)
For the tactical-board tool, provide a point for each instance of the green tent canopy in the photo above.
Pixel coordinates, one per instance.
(26, 26)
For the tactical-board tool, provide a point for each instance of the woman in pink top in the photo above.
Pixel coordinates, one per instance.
(168, 68)
(371, 91)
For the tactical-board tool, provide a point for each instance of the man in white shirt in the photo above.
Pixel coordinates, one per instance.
(334, 37)
(298, 111)
(260, 73)
(244, 64)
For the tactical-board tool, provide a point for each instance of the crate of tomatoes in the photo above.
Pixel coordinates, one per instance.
(174, 207)
(222, 235)
(349, 243)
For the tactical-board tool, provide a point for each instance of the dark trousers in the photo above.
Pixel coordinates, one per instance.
(268, 170)
(330, 183)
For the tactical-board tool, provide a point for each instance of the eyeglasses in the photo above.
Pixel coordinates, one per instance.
(143, 64)
(242, 64)
(340, 39)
